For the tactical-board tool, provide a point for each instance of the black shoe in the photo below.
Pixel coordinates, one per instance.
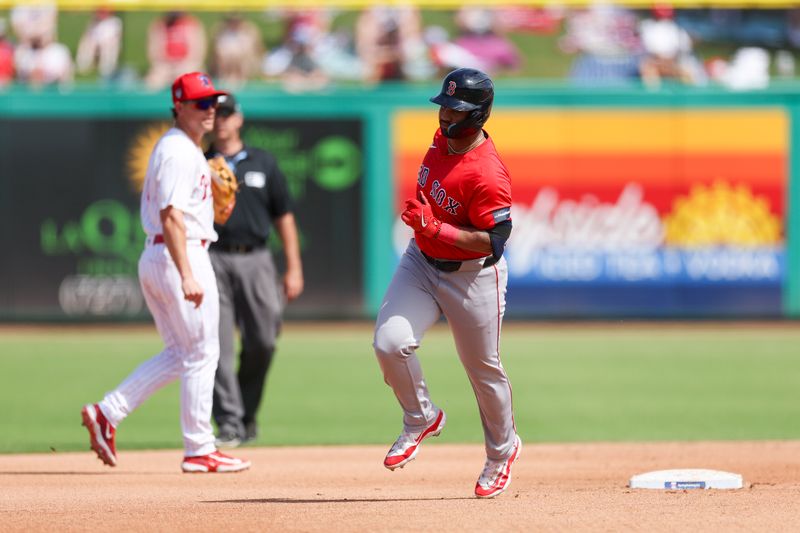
(228, 439)
(250, 432)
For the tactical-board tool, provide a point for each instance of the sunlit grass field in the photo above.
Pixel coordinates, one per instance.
(578, 382)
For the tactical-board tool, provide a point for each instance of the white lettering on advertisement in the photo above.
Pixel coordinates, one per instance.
(581, 240)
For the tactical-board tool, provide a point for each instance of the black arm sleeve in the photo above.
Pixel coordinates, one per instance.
(498, 236)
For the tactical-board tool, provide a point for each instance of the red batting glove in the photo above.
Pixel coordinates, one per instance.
(419, 217)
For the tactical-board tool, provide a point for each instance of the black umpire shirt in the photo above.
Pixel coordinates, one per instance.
(263, 196)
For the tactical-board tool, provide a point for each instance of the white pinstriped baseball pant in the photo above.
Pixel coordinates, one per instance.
(191, 346)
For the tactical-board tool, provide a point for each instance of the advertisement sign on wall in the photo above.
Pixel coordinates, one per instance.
(75, 240)
(643, 212)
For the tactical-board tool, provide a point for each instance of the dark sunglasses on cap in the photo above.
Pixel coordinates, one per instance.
(205, 103)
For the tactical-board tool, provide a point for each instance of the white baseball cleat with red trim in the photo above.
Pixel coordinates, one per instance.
(213, 462)
(496, 475)
(101, 434)
(406, 446)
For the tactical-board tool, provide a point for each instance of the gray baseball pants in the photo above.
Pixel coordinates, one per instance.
(250, 298)
(472, 300)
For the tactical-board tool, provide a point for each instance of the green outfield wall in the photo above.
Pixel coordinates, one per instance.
(351, 153)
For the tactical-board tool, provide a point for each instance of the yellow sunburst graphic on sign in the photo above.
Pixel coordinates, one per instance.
(721, 215)
(139, 152)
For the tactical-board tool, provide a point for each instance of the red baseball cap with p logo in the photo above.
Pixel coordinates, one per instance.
(194, 86)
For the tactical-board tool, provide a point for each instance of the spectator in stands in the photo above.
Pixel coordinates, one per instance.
(389, 43)
(667, 51)
(38, 59)
(298, 28)
(6, 56)
(237, 51)
(176, 44)
(303, 73)
(40, 63)
(793, 27)
(335, 54)
(100, 44)
(308, 39)
(296, 61)
(748, 69)
(34, 22)
(480, 36)
(605, 39)
(447, 55)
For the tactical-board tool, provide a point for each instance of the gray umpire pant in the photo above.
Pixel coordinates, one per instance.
(250, 298)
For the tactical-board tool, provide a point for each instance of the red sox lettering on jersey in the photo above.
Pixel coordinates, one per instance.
(438, 194)
(466, 190)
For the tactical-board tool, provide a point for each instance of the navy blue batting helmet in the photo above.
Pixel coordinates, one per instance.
(466, 89)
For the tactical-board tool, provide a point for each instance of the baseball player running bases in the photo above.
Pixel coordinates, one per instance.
(179, 286)
(454, 265)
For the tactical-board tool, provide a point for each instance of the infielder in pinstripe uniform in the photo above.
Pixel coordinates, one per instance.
(461, 217)
(178, 284)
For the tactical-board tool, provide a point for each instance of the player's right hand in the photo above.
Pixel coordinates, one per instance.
(192, 291)
(418, 215)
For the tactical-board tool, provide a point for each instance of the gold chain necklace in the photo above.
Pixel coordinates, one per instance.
(474, 144)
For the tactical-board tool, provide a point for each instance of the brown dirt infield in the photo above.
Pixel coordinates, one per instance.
(565, 487)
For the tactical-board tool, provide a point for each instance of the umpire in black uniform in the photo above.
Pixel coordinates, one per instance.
(250, 291)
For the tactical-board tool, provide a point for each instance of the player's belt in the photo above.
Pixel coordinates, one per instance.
(453, 266)
(444, 266)
(159, 239)
(236, 248)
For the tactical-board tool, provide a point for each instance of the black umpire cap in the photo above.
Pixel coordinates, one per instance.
(227, 105)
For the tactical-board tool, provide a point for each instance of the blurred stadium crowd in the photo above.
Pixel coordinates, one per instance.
(599, 43)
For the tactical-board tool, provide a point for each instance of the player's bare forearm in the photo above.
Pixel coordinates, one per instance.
(287, 231)
(474, 240)
(175, 240)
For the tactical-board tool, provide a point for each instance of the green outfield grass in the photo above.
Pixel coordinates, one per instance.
(616, 382)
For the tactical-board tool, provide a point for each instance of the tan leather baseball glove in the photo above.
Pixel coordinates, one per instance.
(224, 187)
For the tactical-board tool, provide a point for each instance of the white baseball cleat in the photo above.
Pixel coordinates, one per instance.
(496, 475)
(213, 462)
(406, 446)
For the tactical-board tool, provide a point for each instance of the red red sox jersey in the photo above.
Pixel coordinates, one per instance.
(471, 190)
